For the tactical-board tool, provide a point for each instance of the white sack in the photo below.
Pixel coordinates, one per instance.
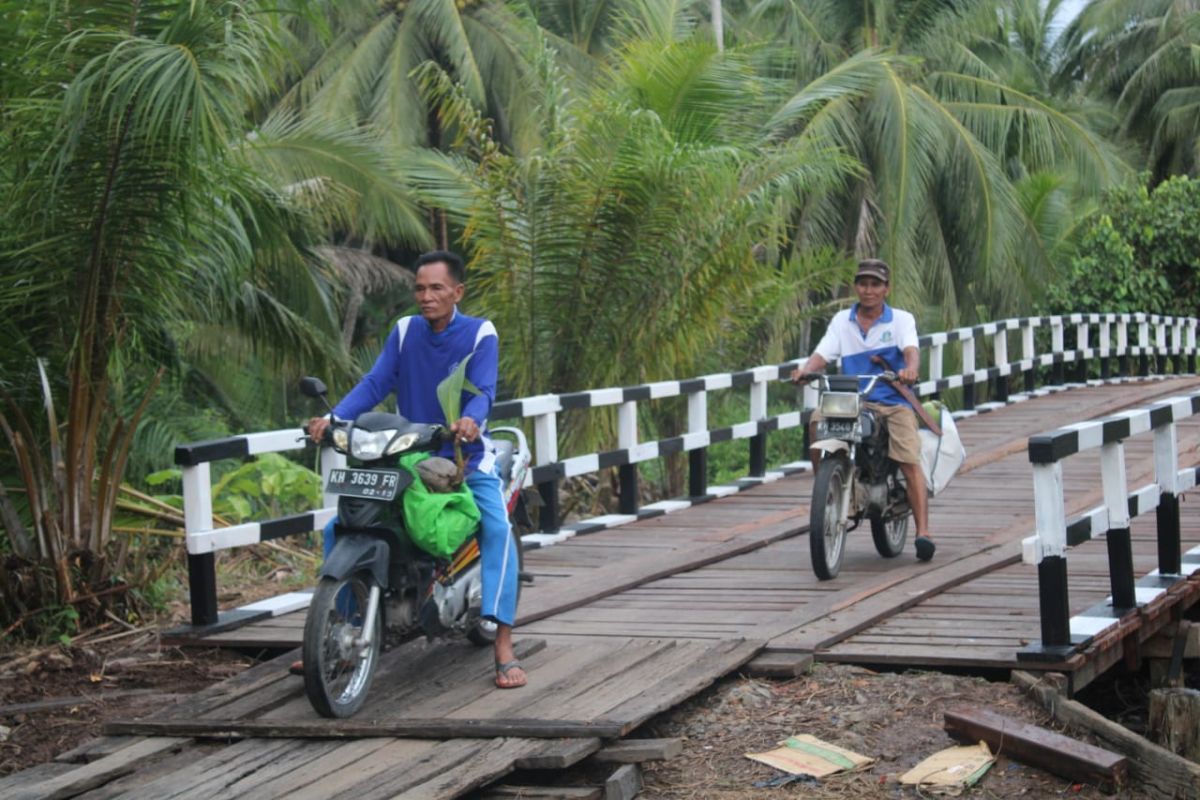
(941, 456)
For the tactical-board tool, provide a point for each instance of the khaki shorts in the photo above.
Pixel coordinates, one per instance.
(904, 445)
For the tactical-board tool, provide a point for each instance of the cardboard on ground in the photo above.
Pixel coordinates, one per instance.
(808, 755)
(954, 766)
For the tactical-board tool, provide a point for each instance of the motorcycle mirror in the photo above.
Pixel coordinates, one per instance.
(313, 387)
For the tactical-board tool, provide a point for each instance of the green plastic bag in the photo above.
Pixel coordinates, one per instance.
(438, 523)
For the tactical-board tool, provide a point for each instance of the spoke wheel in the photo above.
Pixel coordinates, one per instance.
(827, 526)
(890, 533)
(337, 674)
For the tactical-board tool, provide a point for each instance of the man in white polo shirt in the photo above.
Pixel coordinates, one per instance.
(872, 328)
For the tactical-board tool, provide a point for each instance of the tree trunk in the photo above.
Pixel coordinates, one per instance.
(1175, 721)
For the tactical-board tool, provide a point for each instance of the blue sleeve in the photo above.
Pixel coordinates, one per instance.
(481, 371)
(377, 384)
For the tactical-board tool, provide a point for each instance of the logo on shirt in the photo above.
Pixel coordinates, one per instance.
(886, 337)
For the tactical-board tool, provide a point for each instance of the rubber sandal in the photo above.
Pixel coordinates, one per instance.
(504, 669)
(925, 548)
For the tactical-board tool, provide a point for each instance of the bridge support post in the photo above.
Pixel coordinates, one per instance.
(1053, 602)
(545, 440)
(1120, 568)
(1057, 348)
(1028, 356)
(202, 588)
(968, 372)
(627, 480)
(1170, 551)
(1050, 546)
(627, 474)
(1114, 481)
(758, 455)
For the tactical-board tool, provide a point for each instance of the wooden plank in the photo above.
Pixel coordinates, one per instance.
(362, 769)
(495, 761)
(1030, 744)
(435, 728)
(79, 779)
(1160, 773)
(258, 763)
(635, 751)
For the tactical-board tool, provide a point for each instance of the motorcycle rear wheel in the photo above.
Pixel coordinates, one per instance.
(337, 675)
(889, 535)
(483, 632)
(827, 528)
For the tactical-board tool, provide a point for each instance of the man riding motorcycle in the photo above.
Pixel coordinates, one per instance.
(869, 330)
(432, 346)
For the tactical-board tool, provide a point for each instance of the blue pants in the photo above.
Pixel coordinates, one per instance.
(497, 546)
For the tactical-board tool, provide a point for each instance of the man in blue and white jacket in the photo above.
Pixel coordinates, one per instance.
(419, 353)
(871, 328)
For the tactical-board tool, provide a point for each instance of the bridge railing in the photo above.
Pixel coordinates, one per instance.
(1063, 634)
(1158, 340)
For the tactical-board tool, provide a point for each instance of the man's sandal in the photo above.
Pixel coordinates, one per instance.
(502, 670)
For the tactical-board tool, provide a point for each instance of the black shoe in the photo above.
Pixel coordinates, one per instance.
(925, 548)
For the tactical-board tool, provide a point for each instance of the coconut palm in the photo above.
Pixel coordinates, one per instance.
(1141, 57)
(915, 91)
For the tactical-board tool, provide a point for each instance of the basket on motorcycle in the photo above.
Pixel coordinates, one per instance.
(437, 522)
(941, 456)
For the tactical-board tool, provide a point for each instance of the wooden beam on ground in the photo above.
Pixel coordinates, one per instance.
(635, 751)
(543, 792)
(778, 665)
(1157, 771)
(73, 781)
(624, 784)
(1038, 747)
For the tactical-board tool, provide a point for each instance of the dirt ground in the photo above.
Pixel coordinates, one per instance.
(893, 717)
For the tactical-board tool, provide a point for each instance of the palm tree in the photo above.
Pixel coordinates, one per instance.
(914, 91)
(1141, 58)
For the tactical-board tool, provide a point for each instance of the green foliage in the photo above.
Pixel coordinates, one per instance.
(1140, 253)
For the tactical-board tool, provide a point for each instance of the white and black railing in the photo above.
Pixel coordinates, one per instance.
(1114, 339)
(1062, 633)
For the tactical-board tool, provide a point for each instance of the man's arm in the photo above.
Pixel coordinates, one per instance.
(369, 392)
(912, 366)
(815, 364)
(481, 371)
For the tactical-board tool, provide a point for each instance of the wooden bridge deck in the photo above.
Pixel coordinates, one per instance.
(623, 623)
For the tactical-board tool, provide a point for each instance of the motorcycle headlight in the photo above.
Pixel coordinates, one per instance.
(403, 443)
(839, 404)
(341, 440)
(370, 445)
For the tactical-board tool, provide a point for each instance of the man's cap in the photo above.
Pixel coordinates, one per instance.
(873, 268)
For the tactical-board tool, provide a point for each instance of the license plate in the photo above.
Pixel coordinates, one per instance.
(376, 484)
(839, 427)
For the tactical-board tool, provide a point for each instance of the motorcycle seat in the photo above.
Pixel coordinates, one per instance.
(504, 458)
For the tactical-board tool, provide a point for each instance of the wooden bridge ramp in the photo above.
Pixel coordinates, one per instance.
(625, 623)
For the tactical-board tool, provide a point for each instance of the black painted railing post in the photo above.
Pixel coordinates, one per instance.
(1120, 568)
(1053, 602)
(202, 588)
(1170, 555)
(627, 480)
(758, 415)
(758, 455)
(698, 472)
(548, 514)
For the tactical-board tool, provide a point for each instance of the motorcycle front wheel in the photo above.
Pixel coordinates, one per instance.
(827, 526)
(337, 672)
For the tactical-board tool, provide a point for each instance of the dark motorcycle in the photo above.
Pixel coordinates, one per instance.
(855, 479)
(377, 587)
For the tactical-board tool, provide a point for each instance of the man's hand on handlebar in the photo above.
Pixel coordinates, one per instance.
(908, 376)
(799, 377)
(465, 430)
(316, 428)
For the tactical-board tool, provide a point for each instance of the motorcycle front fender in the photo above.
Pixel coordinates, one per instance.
(355, 552)
(831, 446)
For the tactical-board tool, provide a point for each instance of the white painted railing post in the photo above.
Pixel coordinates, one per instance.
(1082, 349)
(1000, 359)
(1056, 348)
(1123, 345)
(1191, 346)
(936, 354)
(758, 413)
(1050, 515)
(1143, 345)
(1166, 475)
(1117, 537)
(1029, 356)
(968, 369)
(696, 441)
(545, 444)
(197, 518)
(1105, 346)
